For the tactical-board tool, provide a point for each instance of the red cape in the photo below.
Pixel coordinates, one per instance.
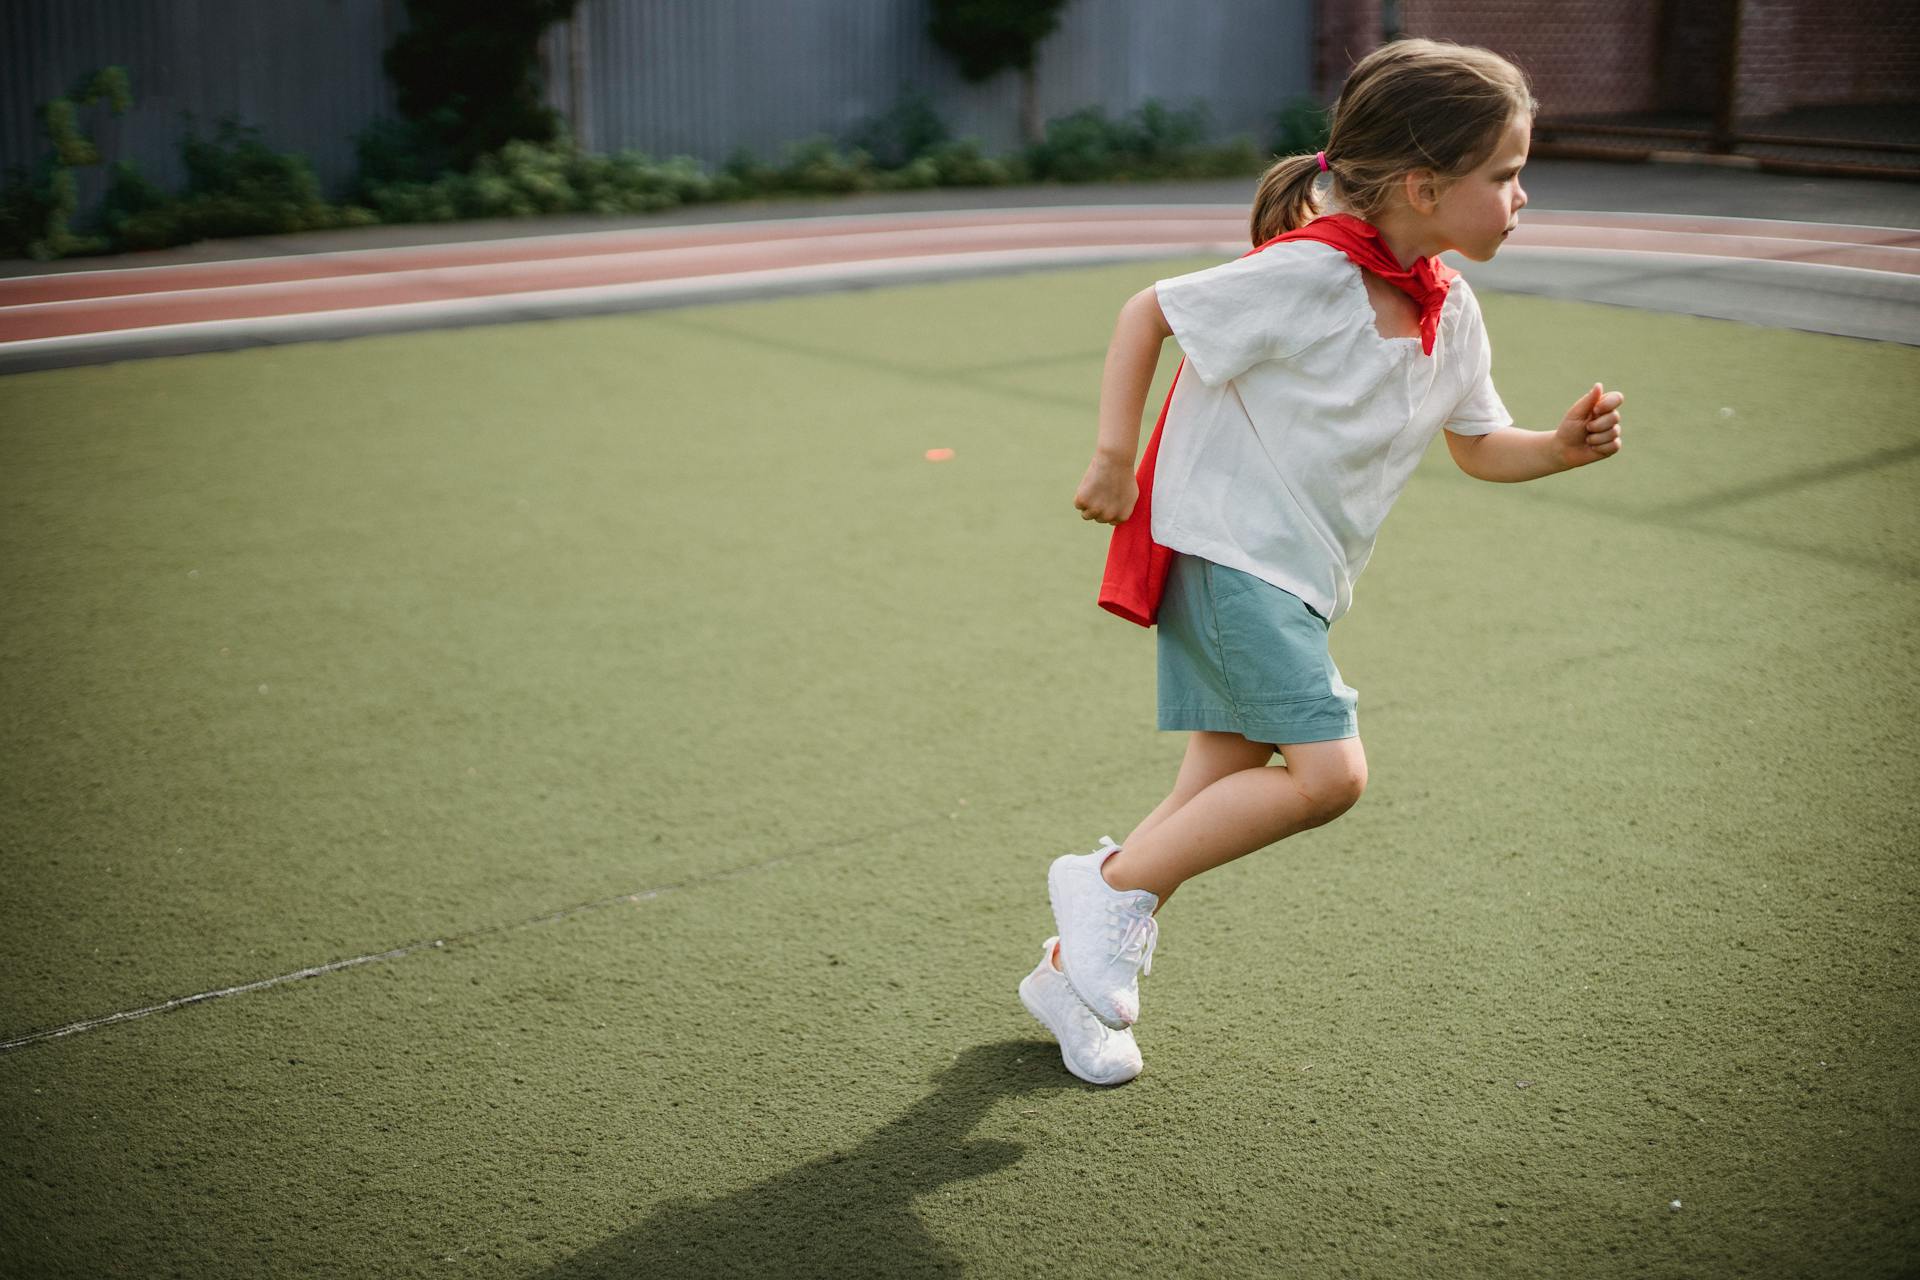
(1137, 566)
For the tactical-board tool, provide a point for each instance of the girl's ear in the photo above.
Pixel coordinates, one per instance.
(1422, 190)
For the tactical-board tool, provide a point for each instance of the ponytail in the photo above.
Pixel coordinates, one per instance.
(1285, 200)
(1411, 104)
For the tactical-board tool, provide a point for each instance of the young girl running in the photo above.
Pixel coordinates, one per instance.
(1318, 368)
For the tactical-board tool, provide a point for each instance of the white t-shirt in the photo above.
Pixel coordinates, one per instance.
(1295, 425)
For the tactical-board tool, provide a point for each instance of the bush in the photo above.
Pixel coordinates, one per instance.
(526, 178)
(390, 151)
(634, 182)
(37, 206)
(1301, 126)
(961, 164)
(1086, 146)
(129, 195)
(36, 210)
(236, 186)
(818, 165)
(897, 137)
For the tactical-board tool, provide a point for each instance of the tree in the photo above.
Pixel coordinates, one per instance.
(467, 75)
(987, 37)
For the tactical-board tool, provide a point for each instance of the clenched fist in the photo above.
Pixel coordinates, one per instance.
(1107, 492)
(1591, 429)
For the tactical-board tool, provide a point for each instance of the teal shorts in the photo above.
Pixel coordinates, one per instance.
(1239, 655)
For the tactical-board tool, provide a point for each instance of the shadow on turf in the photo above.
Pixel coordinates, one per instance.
(849, 1213)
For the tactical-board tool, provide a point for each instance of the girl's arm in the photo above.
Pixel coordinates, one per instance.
(1108, 491)
(1589, 433)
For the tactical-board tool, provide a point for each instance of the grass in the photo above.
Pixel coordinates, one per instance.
(316, 651)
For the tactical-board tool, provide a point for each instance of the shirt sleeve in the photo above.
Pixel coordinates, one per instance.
(1261, 307)
(1480, 410)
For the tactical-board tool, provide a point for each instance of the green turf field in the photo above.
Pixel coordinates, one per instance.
(320, 651)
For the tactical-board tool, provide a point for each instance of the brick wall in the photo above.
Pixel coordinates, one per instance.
(1769, 55)
(1795, 53)
(1608, 57)
(1344, 33)
(1584, 57)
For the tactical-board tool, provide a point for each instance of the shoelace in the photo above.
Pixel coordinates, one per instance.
(1136, 941)
(1130, 946)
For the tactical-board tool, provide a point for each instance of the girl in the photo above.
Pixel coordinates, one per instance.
(1318, 367)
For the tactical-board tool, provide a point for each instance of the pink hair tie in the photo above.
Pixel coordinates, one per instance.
(1321, 156)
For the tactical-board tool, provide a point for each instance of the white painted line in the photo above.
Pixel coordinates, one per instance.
(1671, 258)
(918, 824)
(1041, 213)
(1651, 220)
(395, 953)
(179, 1002)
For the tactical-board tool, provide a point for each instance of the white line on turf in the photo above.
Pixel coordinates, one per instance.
(395, 953)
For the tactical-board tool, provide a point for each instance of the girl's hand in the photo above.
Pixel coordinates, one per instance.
(1107, 492)
(1591, 429)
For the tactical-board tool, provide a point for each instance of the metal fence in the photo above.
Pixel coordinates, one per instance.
(670, 77)
(308, 74)
(702, 77)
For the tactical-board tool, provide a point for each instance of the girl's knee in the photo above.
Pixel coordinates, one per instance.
(1332, 781)
(1334, 794)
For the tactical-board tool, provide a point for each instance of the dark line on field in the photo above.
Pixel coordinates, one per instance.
(952, 377)
(1674, 516)
(1790, 483)
(1036, 362)
(30, 1038)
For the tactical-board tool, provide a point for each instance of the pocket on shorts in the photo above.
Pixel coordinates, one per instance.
(1275, 648)
(1225, 584)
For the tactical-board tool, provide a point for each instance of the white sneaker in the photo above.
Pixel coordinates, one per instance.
(1106, 934)
(1095, 1053)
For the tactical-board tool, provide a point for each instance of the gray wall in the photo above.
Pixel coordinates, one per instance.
(307, 72)
(692, 77)
(700, 77)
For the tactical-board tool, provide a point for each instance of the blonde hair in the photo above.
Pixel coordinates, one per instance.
(1410, 104)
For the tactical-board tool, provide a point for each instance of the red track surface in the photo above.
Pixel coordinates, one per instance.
(115, 300)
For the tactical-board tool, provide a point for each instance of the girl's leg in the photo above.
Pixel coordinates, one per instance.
(1233, 813)
(1210, 757)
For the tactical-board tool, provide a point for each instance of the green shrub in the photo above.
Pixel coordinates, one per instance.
(37, 205)
(818, 165)
(903, 133)
(745, 174)
(236, 186)
(915, 175)
(1301, 126)
(1086, 146)
(23, 213)
(525, 179)
(129, 195)
(962, 164)
(634, 182)
(390, 151)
